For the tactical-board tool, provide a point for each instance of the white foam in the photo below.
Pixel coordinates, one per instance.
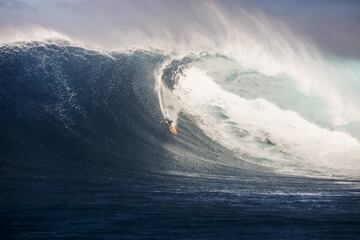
(261, 132)
(168, 103)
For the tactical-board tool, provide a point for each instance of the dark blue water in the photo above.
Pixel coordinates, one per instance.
(83, 156)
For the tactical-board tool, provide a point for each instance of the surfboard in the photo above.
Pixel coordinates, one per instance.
(172, 129)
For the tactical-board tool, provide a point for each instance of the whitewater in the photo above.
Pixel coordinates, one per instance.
(226, 104)
(269, 96)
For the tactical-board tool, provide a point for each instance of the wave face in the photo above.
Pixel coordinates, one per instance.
(68, 110)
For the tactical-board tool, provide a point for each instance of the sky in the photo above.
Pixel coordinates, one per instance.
(332, 25)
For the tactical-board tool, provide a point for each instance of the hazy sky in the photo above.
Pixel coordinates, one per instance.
(334, 25)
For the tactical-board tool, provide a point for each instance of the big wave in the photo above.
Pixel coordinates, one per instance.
(69, 110)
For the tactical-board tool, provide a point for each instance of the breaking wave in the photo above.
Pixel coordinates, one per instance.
(69, 110)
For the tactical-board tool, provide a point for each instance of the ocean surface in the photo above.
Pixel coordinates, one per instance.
(85, 152)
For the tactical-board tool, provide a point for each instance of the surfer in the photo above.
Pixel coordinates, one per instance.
(171, 126)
